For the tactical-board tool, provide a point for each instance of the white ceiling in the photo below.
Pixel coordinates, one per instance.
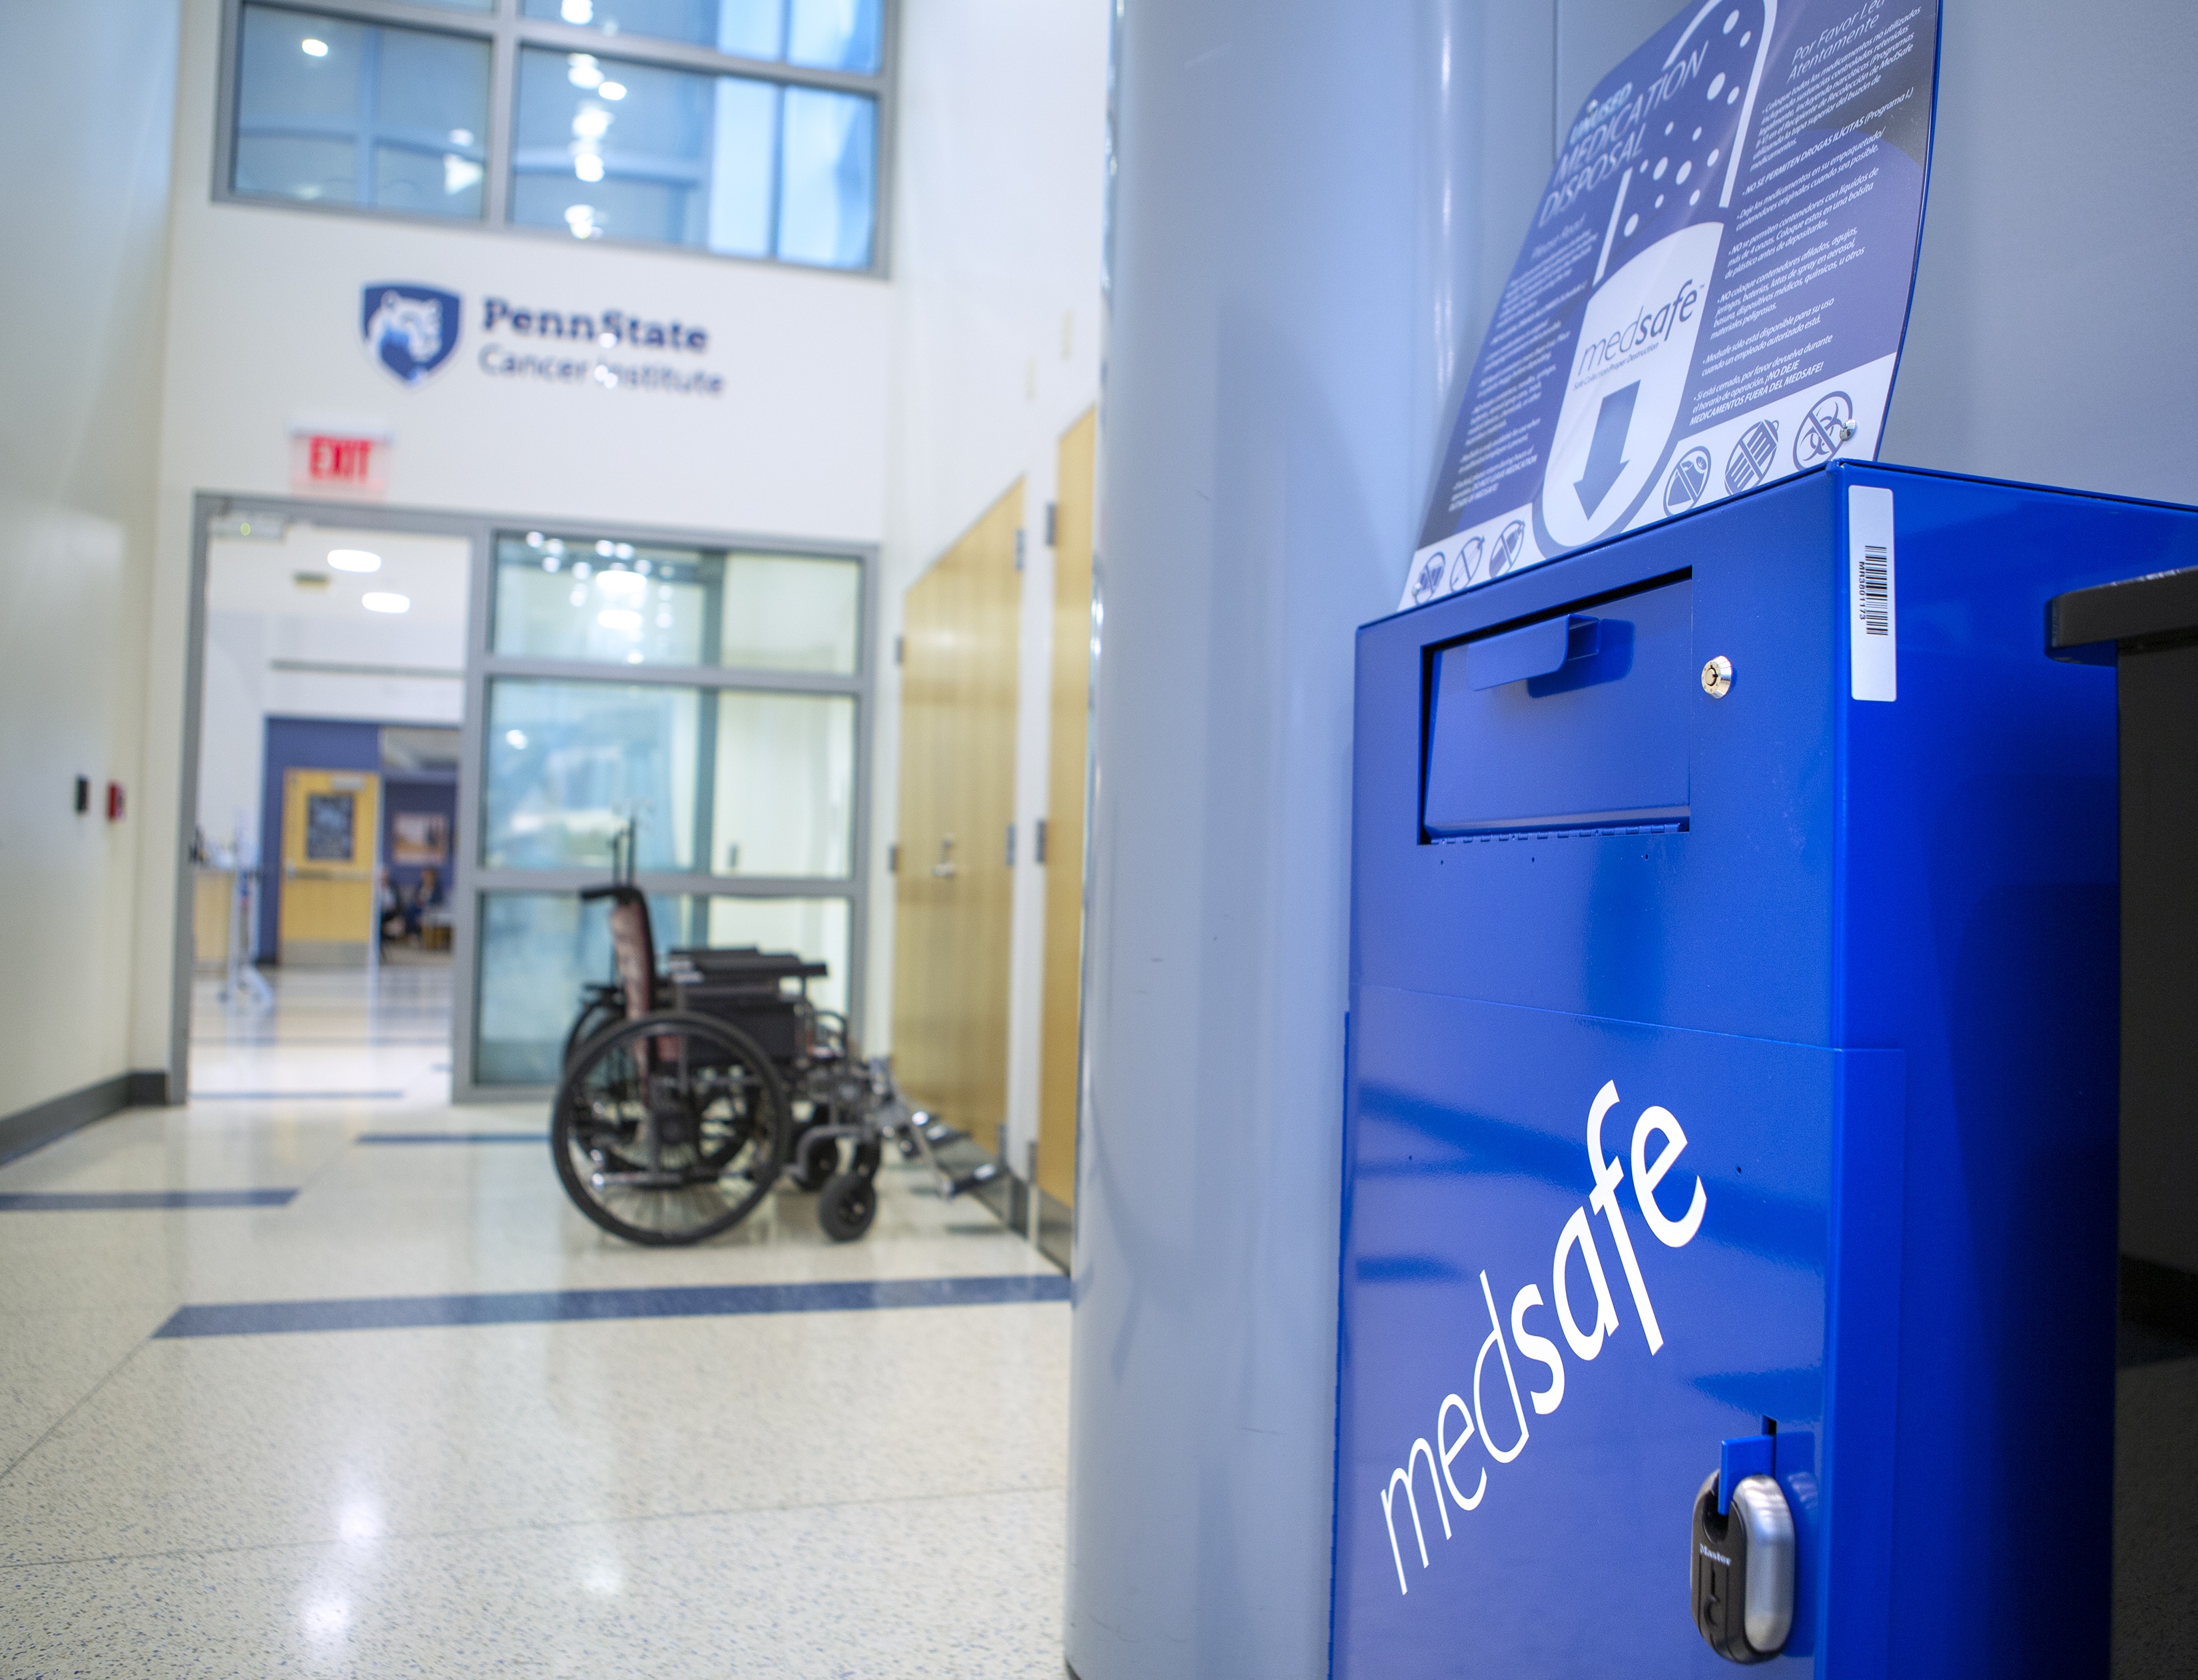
(250, 577)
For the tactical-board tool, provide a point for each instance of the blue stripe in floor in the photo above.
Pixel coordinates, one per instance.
(552, 1306)
(287, 1096)
(451, 1137)
(93, 1202)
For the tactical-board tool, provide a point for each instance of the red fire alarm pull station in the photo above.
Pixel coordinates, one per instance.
(114, 801)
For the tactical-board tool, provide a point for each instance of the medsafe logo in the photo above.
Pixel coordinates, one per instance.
(411, 330)
(1578, 1255)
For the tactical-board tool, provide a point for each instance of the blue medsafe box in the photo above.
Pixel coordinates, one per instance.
(1728, 1253)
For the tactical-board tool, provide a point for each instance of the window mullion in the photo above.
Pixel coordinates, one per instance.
(663, 53)
(503, 114)
(369, 86)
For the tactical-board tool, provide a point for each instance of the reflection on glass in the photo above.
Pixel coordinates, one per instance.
(616, 602)
(822, 34)
(332, 111)
(603, 147)
(567, 763)
(835, 34)
(743, 148)
(606, 148)
(623, 603)
(537, 951)
(789, 612)
(827, 163)
(815, 927)
(785, 785)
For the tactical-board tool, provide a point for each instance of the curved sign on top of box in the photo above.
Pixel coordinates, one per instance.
(411, 331)
(1714, 289)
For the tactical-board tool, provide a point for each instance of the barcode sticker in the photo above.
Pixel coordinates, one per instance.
(1873, 629)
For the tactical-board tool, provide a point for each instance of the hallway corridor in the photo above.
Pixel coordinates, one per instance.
(340, 1383)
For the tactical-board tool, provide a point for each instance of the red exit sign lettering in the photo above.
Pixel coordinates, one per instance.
(346, 463)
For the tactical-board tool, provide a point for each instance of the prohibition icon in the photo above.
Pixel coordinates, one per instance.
(1507, 542)
(1466, 564)
(1690, 477)
(1752, 456)
(1824, 429)
(1428, 583)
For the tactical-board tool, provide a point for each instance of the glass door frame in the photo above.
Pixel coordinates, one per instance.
(475, 880)
(206, 507)
(470, 880)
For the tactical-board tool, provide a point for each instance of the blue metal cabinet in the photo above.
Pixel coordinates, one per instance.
(1729, 1063)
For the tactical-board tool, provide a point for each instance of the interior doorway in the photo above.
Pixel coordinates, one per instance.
(451, 763)
(955, 891)
(331, 702)
(1068, 722)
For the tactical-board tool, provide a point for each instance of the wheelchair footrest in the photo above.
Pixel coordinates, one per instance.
(972, 1179)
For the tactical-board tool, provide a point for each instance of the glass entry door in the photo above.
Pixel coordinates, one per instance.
(716, 701)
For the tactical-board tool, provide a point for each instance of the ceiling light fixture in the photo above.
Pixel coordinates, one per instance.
(354, 559)
(378, 602)
(313, 47)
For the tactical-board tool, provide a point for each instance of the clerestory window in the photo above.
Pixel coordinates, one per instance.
(749, 128)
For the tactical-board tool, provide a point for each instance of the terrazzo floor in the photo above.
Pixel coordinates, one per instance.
(810, 1493)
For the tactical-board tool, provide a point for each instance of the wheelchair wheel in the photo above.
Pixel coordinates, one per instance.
(600, 1013)
(669, 1129)
(848, 1205)
(817, 1161)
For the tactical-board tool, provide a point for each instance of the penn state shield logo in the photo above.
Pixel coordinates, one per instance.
(411, 330)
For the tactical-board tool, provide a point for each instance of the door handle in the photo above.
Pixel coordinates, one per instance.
(1538, 650)
(945, 869)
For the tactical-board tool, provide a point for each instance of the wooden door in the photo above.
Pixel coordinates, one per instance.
(958, 767)
(1064, 810)
(331, 820)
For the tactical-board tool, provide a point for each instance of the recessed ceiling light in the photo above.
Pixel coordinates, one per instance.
(354, 559)
(378, 603)
(312, 47)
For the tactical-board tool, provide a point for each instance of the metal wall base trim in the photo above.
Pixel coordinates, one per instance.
(33, 1128)
(1056, 1230)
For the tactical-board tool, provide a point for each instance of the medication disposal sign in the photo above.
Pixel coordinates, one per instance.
(1713, 290)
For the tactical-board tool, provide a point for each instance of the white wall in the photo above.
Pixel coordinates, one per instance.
(90, 88)
(999, 194)
(264, 327)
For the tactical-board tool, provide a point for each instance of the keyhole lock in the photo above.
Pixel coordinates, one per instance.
(1743, 1572)
(945, 869)
(1716, 677)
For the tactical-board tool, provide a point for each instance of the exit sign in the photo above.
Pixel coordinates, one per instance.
(348, 461)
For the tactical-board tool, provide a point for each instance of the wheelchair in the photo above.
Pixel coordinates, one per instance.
(686, 1094)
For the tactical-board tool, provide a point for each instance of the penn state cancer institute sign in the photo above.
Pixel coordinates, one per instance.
(412, 332)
